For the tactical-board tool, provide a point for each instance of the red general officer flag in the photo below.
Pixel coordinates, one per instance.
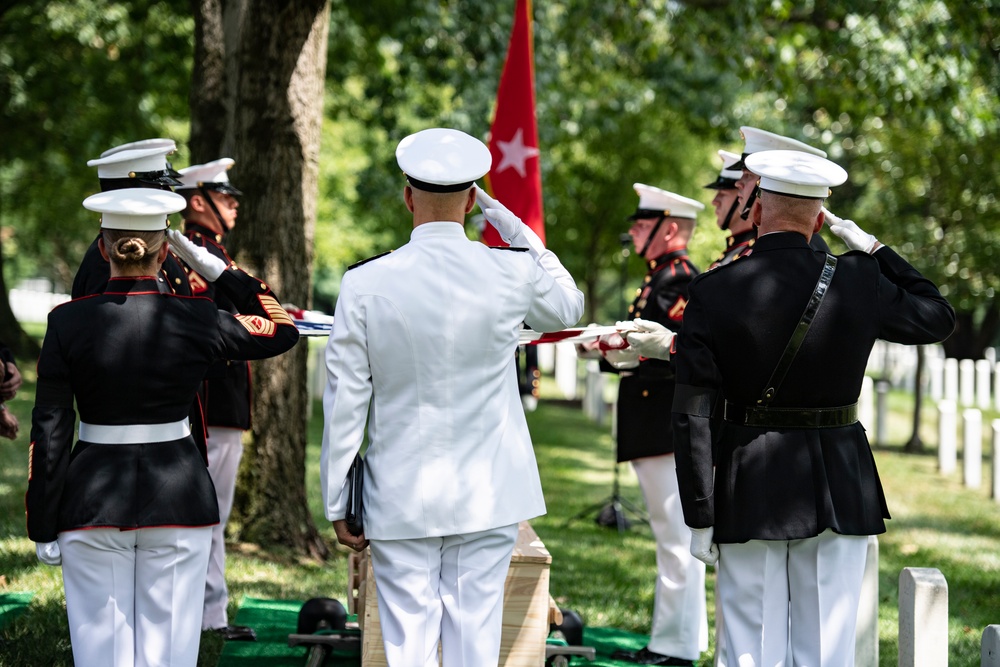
(516, 175)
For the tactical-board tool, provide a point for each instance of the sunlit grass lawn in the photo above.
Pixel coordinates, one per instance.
(604, 576)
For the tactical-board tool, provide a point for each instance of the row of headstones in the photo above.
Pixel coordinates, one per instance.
(923, 619)
(972, 445)
(967, 382)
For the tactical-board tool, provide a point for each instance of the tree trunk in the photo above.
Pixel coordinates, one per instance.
(915, 445)
(280, 62)
(207, 98)
(24, 347)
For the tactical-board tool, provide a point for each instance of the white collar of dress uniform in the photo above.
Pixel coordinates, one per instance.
(441, 228)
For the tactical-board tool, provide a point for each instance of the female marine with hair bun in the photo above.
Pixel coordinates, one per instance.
(128, 511)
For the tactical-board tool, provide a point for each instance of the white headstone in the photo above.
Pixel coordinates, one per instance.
(566, 369)
(990, 652)
(990, 355)
(951, 379)
(967, 382)
(923, 618)
(546, 358)
(947, 437)
(996, 461)
(866, 635)
(972, 447)
(935, 374)
(593, 393)
(866, 404)
(984, 384)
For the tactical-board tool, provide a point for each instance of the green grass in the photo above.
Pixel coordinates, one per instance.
(605, 577)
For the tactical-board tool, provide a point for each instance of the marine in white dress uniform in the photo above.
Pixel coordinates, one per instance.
(128, 510)
(211, 212)
(422, 351)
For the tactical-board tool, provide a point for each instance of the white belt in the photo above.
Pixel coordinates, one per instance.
(131, 434)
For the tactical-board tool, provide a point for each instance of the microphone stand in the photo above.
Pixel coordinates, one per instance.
(613, 508)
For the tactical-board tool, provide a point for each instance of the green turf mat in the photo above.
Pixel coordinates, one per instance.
(13, 605)
(274, 620)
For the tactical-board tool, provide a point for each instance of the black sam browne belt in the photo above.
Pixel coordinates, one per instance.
(761, 417)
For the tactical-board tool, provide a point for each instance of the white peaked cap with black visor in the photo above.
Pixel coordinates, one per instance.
(442, 160)
(795, 174)
(654, 202)
(212, 175)
(756, 140)
(135, 209)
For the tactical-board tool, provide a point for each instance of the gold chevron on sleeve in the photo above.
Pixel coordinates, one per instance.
(274, 310)
(257, 325)
(31, 460)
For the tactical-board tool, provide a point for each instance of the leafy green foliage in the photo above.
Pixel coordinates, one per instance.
(77, 77)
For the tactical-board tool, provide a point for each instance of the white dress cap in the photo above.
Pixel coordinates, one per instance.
(654, 201)
(144, 143)
(729, 161)
(442, 160)
(130, 163)
(135, 209)
(795, 173)
(213, 175)
(756, 140)
(728, 175)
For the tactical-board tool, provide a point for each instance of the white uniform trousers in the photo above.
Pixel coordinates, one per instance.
(225, 448)
(133, 596)
(680, 621)
(443, 589)
(809, 587)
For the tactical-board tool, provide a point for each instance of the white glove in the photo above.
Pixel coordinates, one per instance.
(506, 223)
(650, 339)
(198, 258)
(702, 546)
(617, 353)
(849, 232)
(511, 228)
(48, 553)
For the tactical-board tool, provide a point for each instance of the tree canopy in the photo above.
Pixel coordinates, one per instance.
(902, 93)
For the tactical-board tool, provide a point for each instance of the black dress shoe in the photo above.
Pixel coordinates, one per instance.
(236, 633)
(646, 657)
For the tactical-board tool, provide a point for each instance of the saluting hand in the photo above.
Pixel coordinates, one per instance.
(198, 258)
(356, 542)
(506, 223)
(849, 232)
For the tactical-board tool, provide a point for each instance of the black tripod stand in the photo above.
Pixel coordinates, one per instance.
(613, 508)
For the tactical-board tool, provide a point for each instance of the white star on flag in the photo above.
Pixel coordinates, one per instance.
(515, 153)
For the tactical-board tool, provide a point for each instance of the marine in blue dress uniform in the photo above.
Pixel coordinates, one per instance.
(783, 491)
(128, 509)
(138, 164)
(663, 224)
(211, 212)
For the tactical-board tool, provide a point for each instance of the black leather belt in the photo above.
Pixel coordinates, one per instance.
(791, 417)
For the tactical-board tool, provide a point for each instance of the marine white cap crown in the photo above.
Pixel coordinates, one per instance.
(756, 140)
(127, 163)
(795, 173)
(135, 209)
(141, 144)
(214, 174)
(672, 205)
(442, 160)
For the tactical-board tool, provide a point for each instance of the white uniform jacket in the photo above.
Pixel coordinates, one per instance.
(422, 350)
